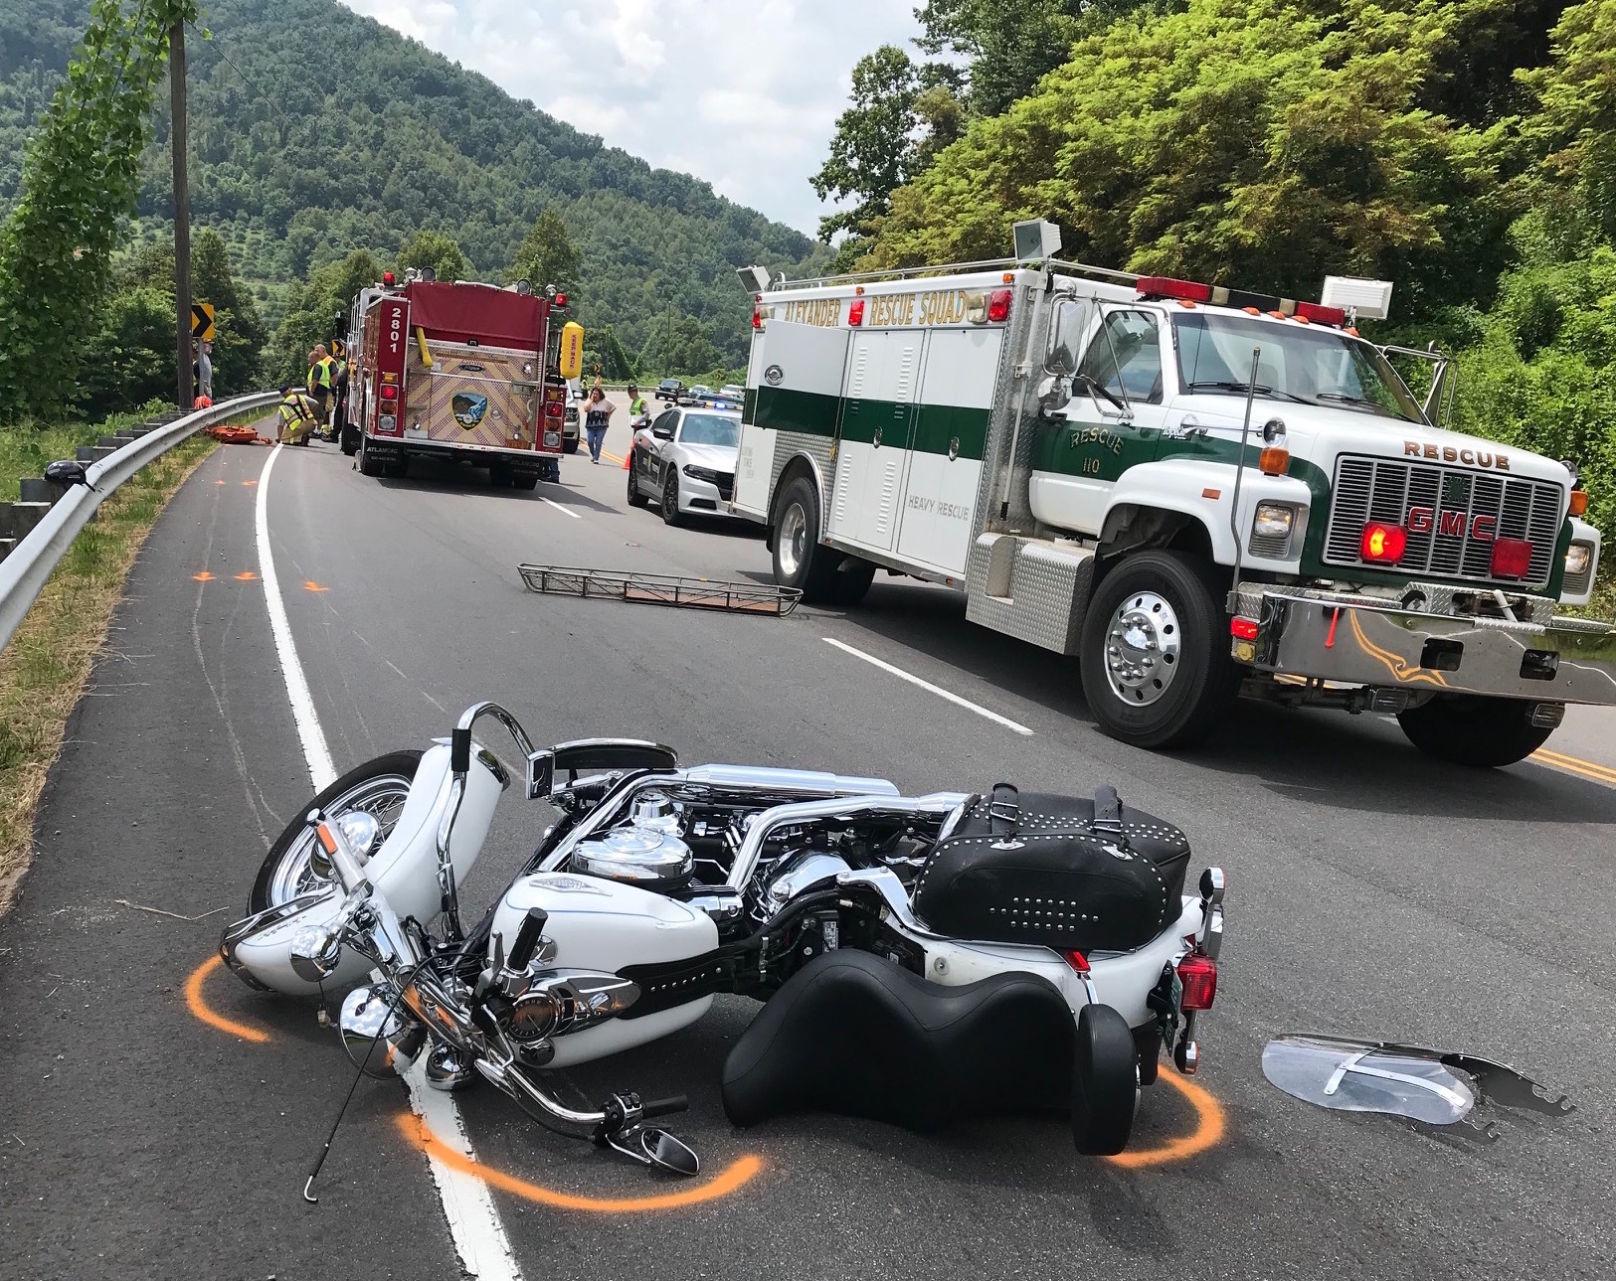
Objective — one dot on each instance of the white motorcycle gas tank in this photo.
(404, 871)
(605, 925)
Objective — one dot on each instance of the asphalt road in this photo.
(1372, 892)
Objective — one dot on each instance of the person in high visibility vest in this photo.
(339, 406)
(322, 379)
(296, 422)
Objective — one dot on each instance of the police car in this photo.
(685, 462)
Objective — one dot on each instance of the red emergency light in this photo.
(1193, 291)
(1168, 287)
(561, 300)
(1512, 558)
(999, 306)
(855, 312)
(389, 279)
(1383, 544)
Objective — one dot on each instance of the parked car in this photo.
(701, 391)
(732, 391)
(669, 389)
(569, 427)
(685, 462)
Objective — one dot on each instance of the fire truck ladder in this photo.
(660, 589)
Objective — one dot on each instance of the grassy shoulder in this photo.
(44, 670)
(24, 450)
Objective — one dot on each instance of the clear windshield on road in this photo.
(1313, 366)
(710, 429)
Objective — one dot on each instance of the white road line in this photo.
(474, 1226)
(564, 511)
(930, 688)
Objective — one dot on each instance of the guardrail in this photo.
(25, 571)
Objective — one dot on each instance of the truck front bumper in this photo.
(1359, 640)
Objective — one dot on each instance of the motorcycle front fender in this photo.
(404, 872)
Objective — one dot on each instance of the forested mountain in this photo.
(315, 132)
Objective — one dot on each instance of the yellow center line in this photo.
(1591, 770)
(611, 457)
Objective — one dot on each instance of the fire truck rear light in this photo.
(1243, 628)
(1383, 544)
(1512, 558)
(1579, 502)
(1168, 287)
(1198, 976)
(389, 392)
(1321, 314)
(1274, 460)
(1076, 960)
(999, 306)
(855, 312)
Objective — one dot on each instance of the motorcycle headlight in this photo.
(1577, 557)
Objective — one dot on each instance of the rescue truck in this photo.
(460, 371)
(1195, 491)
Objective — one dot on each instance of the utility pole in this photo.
(178, 137)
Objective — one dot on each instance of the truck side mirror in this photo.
(1065, 337)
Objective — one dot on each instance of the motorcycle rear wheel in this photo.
(378, 787)
(1105, 1082)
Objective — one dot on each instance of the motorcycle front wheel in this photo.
(378, 787)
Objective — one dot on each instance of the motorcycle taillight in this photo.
(1198, 977)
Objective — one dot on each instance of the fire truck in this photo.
(1195, 491)
(459, 371)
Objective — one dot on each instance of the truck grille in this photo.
(1384, 489)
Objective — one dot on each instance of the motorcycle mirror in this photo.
(669, 1153)
(540, 775)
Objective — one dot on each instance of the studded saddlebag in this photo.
(1054, 870)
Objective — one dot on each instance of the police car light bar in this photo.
(1193, 291)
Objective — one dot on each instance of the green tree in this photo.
(682, 346)
(547, 256)
(1256, 142)
(239, 347)
(312, 311)
(1007, 44)
(871, 151)
(435, 249)
(78, 186)
(131, 348)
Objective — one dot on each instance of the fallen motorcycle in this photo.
(919, 958)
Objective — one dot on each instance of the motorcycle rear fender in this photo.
(1122, 980)
(404, 871)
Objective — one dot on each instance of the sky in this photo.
(741, 93)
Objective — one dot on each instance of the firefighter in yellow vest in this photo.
(297, 420)
(322, 380)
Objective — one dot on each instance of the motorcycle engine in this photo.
(647, 850)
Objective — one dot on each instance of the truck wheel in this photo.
(1469, 729)
(800, 560)
(399, 468)
(500, 476)
(1154, 656)
(1105, 1082)
(350, 441)
(635, 498)
(525, 480)
(368, 465)
(671, 514)
(569, 445)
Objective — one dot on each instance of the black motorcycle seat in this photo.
(856, 1034)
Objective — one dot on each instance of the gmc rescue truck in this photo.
(460, 371)
(1196, 491)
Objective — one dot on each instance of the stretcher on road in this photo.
(661, 589)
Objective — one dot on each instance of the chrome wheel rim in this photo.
(1142, 645)
(382, 796)
(793, 540)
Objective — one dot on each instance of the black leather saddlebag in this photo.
(1058, 871)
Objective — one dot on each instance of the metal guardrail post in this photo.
(24, 573)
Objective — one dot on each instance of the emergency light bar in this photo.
(1371, 299)
(1193, 291)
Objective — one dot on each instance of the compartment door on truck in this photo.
(873, 443)
(479, 396)
(793, 385)
(950, 436)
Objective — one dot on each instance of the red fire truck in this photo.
(461, 372)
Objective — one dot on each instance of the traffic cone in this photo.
(628, 458)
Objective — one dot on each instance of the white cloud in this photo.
(741, 93)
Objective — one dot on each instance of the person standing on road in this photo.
(339, 365)
(322, 379)
(597, 417)
(639, 412)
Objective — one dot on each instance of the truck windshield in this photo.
(1314, 366)
(710, 429)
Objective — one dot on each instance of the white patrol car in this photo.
(1193, 490)
(684, 462)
